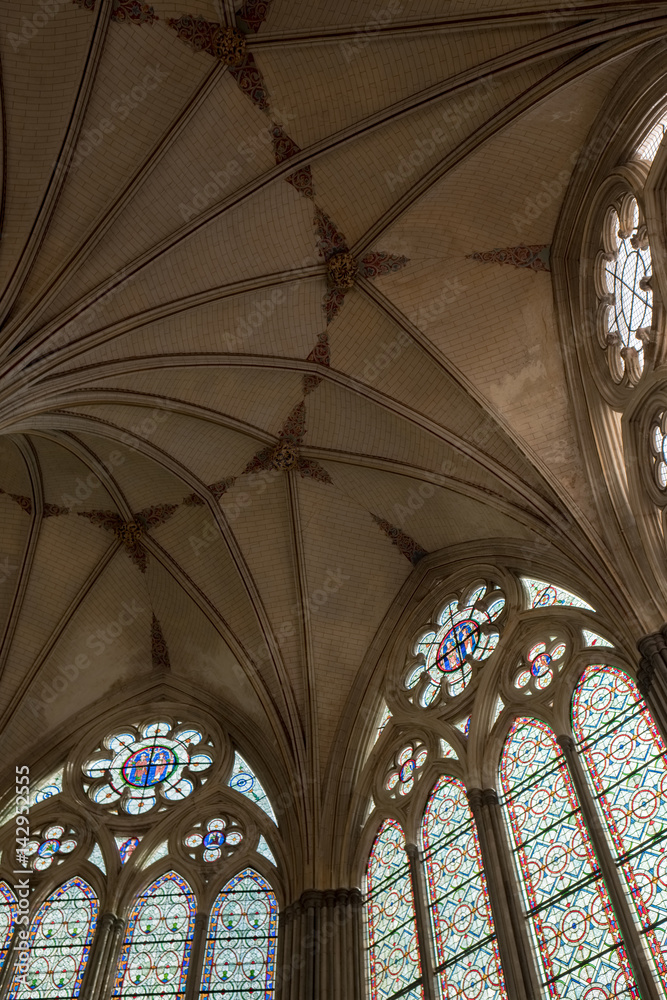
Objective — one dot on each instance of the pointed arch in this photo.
(59, 945)
(8, 914)
(468, 961)
(156, 951)
(626, 760)
(242, 937)
(393, 951)
(568, 909)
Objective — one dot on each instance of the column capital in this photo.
(489, 797)
(653, 649)
(475, 798)
(566, 743)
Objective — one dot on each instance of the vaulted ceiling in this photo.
(206, 446)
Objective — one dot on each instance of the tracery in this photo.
(121, 814)
(579, 939)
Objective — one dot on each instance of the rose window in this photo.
(53, 845)
(659, 450)
(464, 633)
(139, 768)
(403, 773)
(543, 661)
(624, 287)
(208, 843)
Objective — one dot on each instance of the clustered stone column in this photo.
(652, 675)
(321, 947)
(508, 918)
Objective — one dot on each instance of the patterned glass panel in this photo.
(467, 952)
(156, 950)
(8, 915)
(393, 954)
(244, 780)
(567, 905)
(60, 938)
(241, 945)
(626, 759)
(546, 595)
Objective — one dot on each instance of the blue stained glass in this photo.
(244, 780)
(545, 595)
(242, 936)
(567, 905)
(465, 634)
(156, 950)
(60, 937)
(467, 952)
(626, 759)
(393, 953)
(8, 915)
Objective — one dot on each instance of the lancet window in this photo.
(559, 873)
(150, 861)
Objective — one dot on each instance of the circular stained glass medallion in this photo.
(139, 767)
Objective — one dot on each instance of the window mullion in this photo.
(107, 974)
(95, 973)
(7, 971)
(199, 934)
(628, 929)
(424, 933)
(507, 917)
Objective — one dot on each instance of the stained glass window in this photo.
(126, 847)
(593, 639)
(651, 143)
(542, 662)
(546, 595)
(245, 781)
(384, 719)
(156, 950)
(446, 750)
(240, 956)
(393, 954)
(60, 937)
(54, 844)
(567, 905)
(467, 953)
(462, 632)
(658, 438)
(404, 771)
(8, 914)
(159, 852)
(266, 852)
(137, 767)
(626, 760)
(209, 842)
(626, 270)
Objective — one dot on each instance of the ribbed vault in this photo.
(196, 425)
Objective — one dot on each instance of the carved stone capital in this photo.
(653, 649)
(566, 743)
